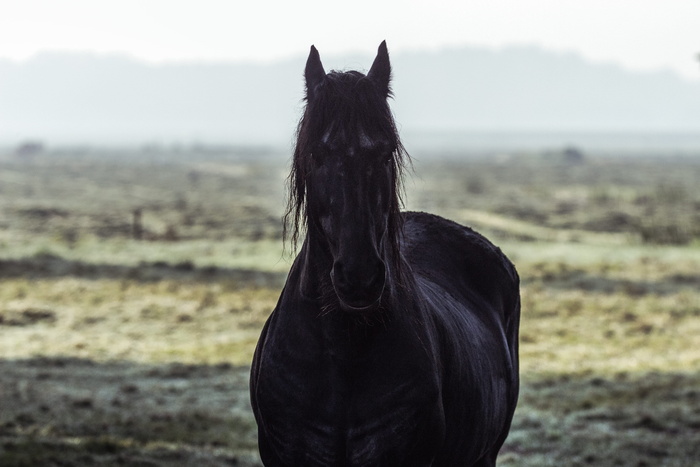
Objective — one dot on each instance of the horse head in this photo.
(346, 174)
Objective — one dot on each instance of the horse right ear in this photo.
(380, 72)
(314, 72)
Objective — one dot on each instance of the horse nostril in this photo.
(379, 274)
(338, 274)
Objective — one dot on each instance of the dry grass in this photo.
(124, 319)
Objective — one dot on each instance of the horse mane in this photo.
(351, 101)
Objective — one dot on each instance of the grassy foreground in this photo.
(123, 351)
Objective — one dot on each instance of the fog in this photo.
(460, 97)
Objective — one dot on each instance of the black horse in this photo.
(395, 339)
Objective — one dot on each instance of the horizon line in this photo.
(348, 53)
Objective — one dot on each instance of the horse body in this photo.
(394, 341)
(470, 290)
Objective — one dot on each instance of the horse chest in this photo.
(369, 407)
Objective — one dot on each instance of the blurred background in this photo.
(143, 156)
(172, 72)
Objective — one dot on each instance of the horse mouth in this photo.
(366, 302)
(357, 308)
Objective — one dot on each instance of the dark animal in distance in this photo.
(395, 339)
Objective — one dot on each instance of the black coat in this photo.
(431, 379)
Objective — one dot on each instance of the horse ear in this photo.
(314, 73)
(380, 72)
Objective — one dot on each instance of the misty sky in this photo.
(638, 34)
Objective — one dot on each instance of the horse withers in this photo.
(395, 339)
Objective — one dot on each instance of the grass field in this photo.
(133, 285)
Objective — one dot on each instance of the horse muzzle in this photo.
(358, 289)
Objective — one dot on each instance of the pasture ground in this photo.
(116, 350)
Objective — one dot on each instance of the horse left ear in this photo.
(313, 73)
(380, 72)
